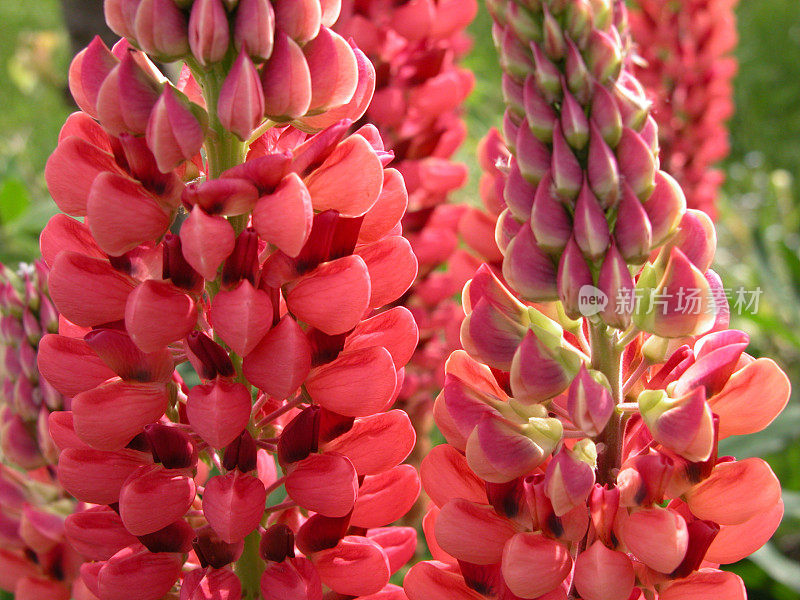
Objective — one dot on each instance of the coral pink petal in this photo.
(333, 297)
(394, 329)
(736, 542)
(358, 383)
(135, 568)
(97, 476)
(158, 314)
(133, 405)
(206, 241)
(392, 269)
(603, 574)
(324, 483)
(281, 360)
(534, 565)
(332, 186)
(70, 365)
(286, 581)
(704, 584)
(399, 544)
(357, 566)
(387, 211)
(219, 411)
(751, 399)
(97, 533)
(431, 580)
(460, 522)
(376, 443)
(88, 291)
(233, 504)
(153, 497)
(384, 498)
(445, 475)
(735, 492)
(241, 317)
(63, 233)
(284, 218)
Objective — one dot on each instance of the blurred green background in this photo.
(759, 224)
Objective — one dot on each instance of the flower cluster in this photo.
(222, 240)
(420, 89)
(581, 438)
(26, 314)
(688, 73)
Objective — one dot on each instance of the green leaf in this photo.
(778, 567)
(14, 200)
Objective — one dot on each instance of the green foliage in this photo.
(14, 200)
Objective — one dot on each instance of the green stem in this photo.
(250, 567)
(223, 151)
(607, 358)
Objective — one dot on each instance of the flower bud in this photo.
(241, 453)
(208, 358)
(570, 477)
(632, 233)
(546, 74)
(604, 58)
(209, 33)
(161, 29)
(533, 156)
(684, 425)
(241, 98)
(665, 207)
(590, 225)
(254, 28)
(175, 129)
(212, 551)
(589, 403)
(566, 170)
(574, 123)
(171, 446)
(636, 163)
(286, 80)
(573, 275)
(539, 114)
(277, 543)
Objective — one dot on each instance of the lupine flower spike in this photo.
(234, 231)
(598, 375)
(687, 68)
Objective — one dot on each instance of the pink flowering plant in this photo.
(582, 417)
(231, 225)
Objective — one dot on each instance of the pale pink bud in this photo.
(528, 269)
(665, 207)
(546, 74)
(540, 116)
(219, 411)
(281, 361)
(234, 504)
(697, 238)
(208, 31)
(459, 521)
(534, 565)
(254, 28)
(134, 95)
(324, 483)
(499, 452)
(603, 574)
(158, 314)
(569, 478)
(604, 56)
(286, 80)
(605, 115)
(656, 536)
(161, 29)
(632, 232)
(333, 69)
(120, 16)
(591, 228)
(300, 19)
(579, 80)
(603, 174)
(574, 123)
(533, 156)
(135, 568)
(368, 456)
(241, 99)
(566, 170)
(171, 491)
(87, 72)
(573, 275)
(636, 163)
(175, 130)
